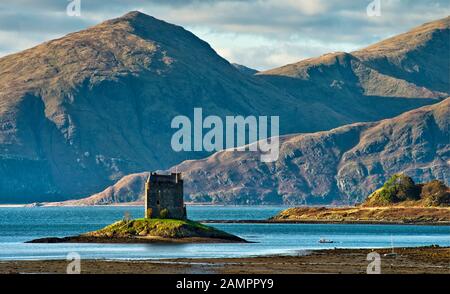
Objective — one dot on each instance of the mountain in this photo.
(411, 65)
(80, 112)
(128, 189)
(342, 165)
(420, 56)
(244, 69)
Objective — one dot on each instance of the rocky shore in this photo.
(429, 260)
(365, 215)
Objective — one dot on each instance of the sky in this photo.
(260, 34)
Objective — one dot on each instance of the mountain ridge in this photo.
(339, 166)
(342, 165)
(80, 112)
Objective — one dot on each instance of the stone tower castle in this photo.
(164, 196)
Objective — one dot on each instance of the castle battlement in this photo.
(159, 178)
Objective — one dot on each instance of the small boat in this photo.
(392, 254)
(325, 241)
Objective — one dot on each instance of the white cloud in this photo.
(256, 33)
(302, 6)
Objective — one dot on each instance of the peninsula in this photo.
(399, 201)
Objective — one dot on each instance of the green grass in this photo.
(166, 228)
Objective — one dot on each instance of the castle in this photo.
(164, 196)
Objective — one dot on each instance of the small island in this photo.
(150, 231)
(165, 220)
(399, 201)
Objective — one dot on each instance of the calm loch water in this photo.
(20, 224)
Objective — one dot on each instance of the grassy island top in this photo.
(150, 231)
(163, 228)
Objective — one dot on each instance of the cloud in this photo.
(258, 33)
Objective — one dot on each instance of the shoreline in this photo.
(134, 204)
(315, 222)
(399, 215)
(412, 260)
(134, 240)
(294, 220)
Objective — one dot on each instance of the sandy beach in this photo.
(430, 260)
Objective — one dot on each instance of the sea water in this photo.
(20, 224)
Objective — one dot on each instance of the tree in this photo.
(126, 216)
(399, 188)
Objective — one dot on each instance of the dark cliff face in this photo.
(343, 165)
(80, 112)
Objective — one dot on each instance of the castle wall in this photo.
(164, 192)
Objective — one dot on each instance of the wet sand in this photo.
(430, 260)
